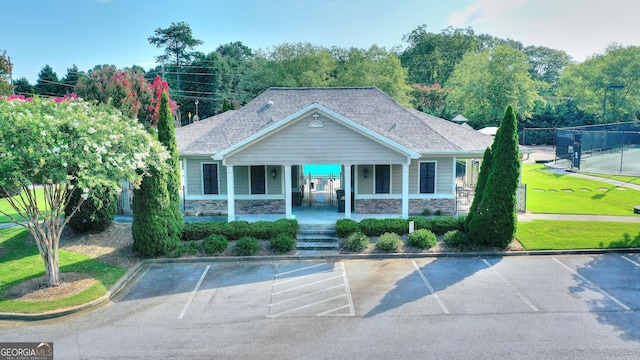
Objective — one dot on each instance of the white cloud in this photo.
(483, 11)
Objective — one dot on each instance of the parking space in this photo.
(223, 292)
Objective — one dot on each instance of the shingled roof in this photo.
(366, 106)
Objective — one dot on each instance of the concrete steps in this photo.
(317, 237)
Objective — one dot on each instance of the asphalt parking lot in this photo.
(538, 307)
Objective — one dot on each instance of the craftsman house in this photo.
(393, 160)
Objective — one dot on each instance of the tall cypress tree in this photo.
(495, 220)
(167, 136)
(157, 219)
(485, 168)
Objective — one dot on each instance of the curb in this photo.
(133, 272)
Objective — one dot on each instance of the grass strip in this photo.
(567, 235)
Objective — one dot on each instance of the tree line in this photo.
(455, 71)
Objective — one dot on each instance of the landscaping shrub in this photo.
(282, 243)
(200, 230)
(420, 222)
(186, 248)
(285, 226)
(346, 227)
(462, 223)
(456, 239)
(9, 191)
(441, 225)
(372, 227)
(235, 229)
(389, 242)
(396, 226)
(246, 246)
(356, 242)
(215, 244)
(261, 230)
(423, 239)
(96, 213)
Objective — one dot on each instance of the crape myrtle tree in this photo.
(493, 222)
(56, 146)
(157, 216)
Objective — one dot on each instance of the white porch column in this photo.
(468, 172)
(347, 191)
(231, 196)
(287, 191)
(405, 191)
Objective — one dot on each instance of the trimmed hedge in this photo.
(457, 239)
(377, 227)
(237, 229)
(346, 227)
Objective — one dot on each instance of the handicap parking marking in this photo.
(592, 285)
(510, 285)
(313, 290)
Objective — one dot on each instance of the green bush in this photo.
(235, 229)
(356, 242)
(9, 191)
(246, 246)
(389, 242)
(372, 227)
(456, 239)
(462, 223)
(423, 239)
(261, 230)
(426, 212)
(420, 222)
(200, 230)
(441, 225)
(346, 227)
(215, 244)
(282, 243)
(96, 213)
(285, 226)
(186, 248)
(396, 226)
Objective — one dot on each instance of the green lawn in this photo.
(6, 208)
(562, 235)
(553, 193)
(20, 261)
(627, 179)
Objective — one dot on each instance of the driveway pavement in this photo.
(572, 307)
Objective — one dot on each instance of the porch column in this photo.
(405, 191)
(287, 191)
(347, 191)
(468, 172)
(231, 196)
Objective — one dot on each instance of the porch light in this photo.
(274, 173)
(366, 172)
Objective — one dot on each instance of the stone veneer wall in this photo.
(446, 206)
(394, 206)
(219, 207)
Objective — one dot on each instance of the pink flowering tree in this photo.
(61, 145)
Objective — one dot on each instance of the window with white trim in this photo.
(427, 177)
(383, 179)
(210, 178)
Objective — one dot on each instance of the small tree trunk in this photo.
(52, 268)
(47, 238)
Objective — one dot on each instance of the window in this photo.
(427, 177)
(383, 179)
(210, 178)
(258, 180)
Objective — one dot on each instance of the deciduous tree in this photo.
(61, 145)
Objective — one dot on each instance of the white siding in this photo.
(330, 144)
(445, 173)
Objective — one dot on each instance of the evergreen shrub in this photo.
(282, 243)
(246, 246)
(389, 242)
(423, 239)
(356, 242)
(215, 244)
(346, 227)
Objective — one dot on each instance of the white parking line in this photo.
(300, 269)
(513, 288)
(308, 306)
(352, 311)
(433, 292)
(594, 286)
(302, 277)
(305, 295)
(631, 261)
(303, 285)
(193, 293)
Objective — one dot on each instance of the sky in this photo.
(86, 33)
